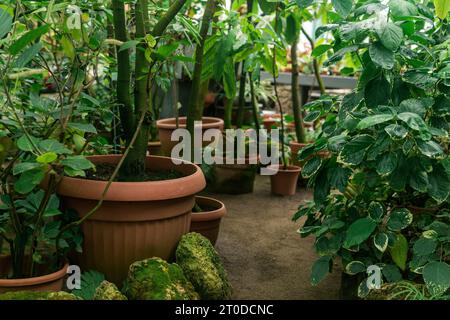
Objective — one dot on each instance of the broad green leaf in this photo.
(391, 273)
(229, 79)
(399, 251)
(424, 246)
(377, 92)
(439, 183)
(414, 106)
(303, 4)
(359, 231)
(391, 36)
(292, 28)
(413, 121)
(29, 180)
(320, 269)
(90, 99)
(343, 7)
(419, 180)
(47, 157)
(51, 145)
(376, 211)
(25, 166)
(68, 47)
(430, 149)
(374, 120)
(387, 163)
(27, 144)
(441, 7)
(320, 49)
(311, 167)
(355, 267)
(339, 177)
(437, 277)
(129, 44)
(166, 50)
(402, 8)
(381, 241)
(27, 38)
(5, 22)
(399, 219)
(354, 151)
(312, 116)
(84, 127)
(27, 55)
(381, 56)
(77, 163)
(420, 78)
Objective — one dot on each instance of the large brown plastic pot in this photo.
(207, 223)
(137, 220)
(167, 126)
(284, 182)
(154, 148)
(48, 283)
(235, 178)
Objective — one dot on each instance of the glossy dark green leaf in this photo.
(382, 56)
(377, 92)
(399, 219)
(437, 277)
(391, 36)
(399, 251)
(359, 231)
(320, 269)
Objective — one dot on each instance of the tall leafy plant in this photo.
(382, 198)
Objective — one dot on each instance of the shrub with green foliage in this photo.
(155, 279)
(36, 295)
(202, 266)
(382, 197)
(108, 291)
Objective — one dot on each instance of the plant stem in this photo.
(241, 99)
(228, 109)
(274, 73)
(315, 64)
(255, 109)
(296, 104)
(123, 71)
(195, 110)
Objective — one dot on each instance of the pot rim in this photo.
(135, 191)
(207, 123)
(23, 282)
(209, 215)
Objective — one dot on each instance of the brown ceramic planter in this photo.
(137, 220)
(154, 148)
(167, 126)
(284, 182)
(207, 223)
(51, 282)
(235, 178)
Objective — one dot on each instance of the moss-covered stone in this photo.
(155, 279)
(202, 267)
(108, 291)
(34, 295)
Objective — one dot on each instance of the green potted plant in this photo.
(197, 92)
(381, 198)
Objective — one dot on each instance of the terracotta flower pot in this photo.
(167, 126)
(207, 222)
(154, 148)
(284, 182)
(235, 178)
(269, 123)
(137, 220)
(50, 282)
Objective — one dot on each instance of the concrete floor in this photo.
(264, 256)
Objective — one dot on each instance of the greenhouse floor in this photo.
(262, 252)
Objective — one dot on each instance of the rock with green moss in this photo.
(36, 295)
(108, 291)
(202, 267)
(155, 279)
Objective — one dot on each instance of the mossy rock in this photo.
(155, 279)
(108, 291)
(36, 295)
(202, 267)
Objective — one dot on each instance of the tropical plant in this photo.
(382, 198)
(49, 63)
